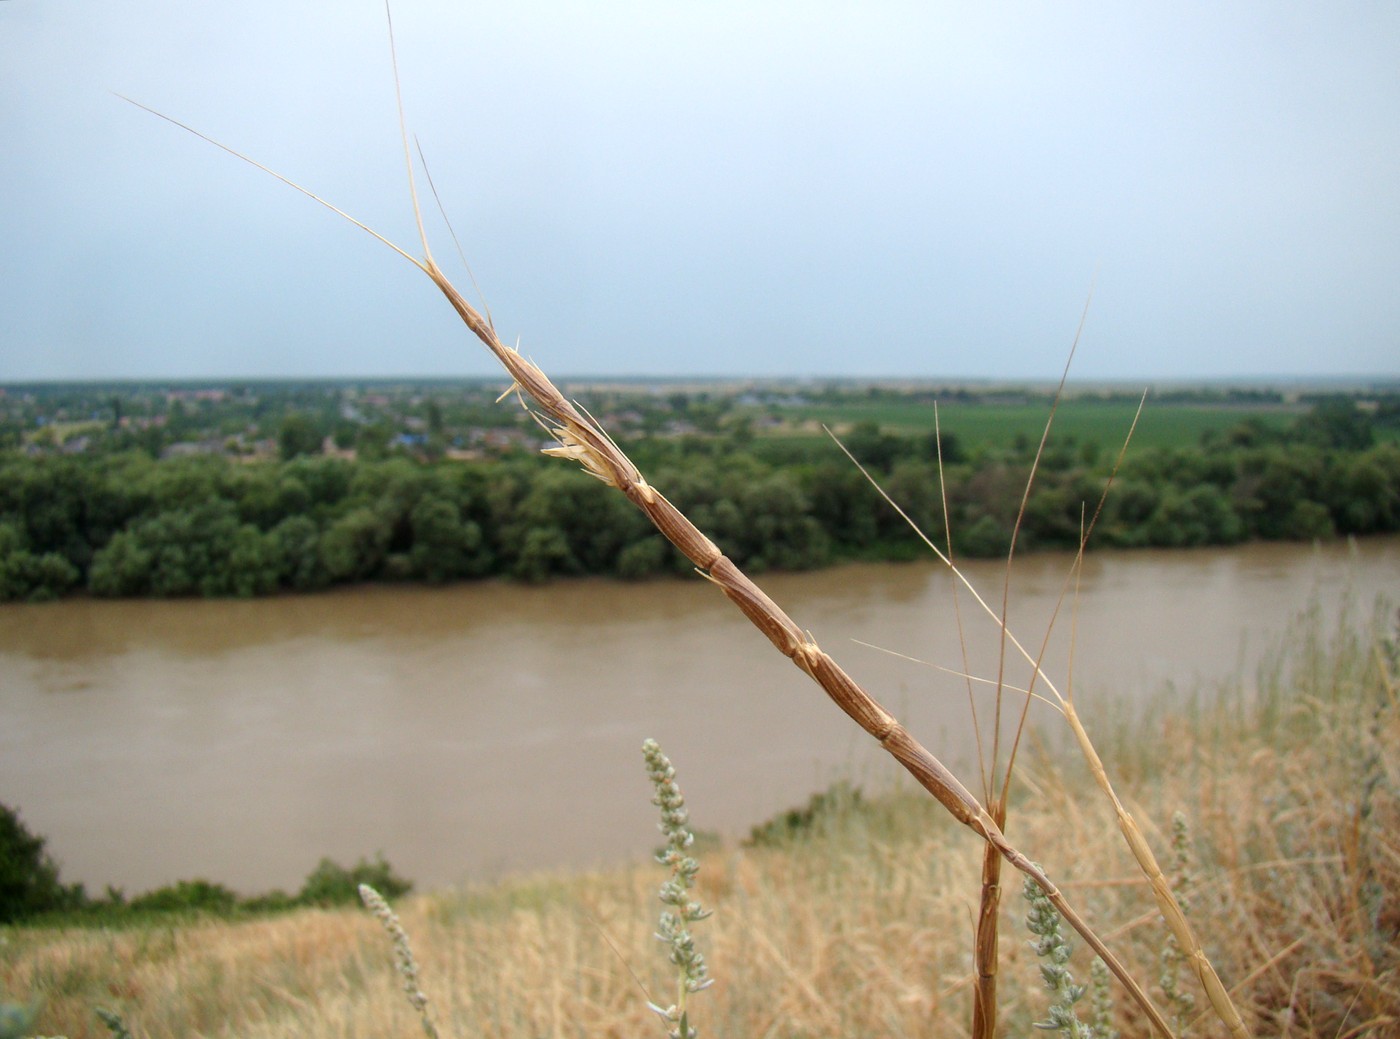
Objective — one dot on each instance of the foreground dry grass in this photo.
(861, 925)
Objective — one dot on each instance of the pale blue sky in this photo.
(670, 188)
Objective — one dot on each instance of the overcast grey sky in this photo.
(670, 188)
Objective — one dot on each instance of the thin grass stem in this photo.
(582, 440)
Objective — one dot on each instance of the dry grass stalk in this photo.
(987, 945)
(1167, 903)
(1169, 908)
(581, 439)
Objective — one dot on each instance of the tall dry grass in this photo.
(580, 439)
(816, 1009)
(861, 924)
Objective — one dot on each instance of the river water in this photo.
(484, 728)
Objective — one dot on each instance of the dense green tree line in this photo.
(127, 525)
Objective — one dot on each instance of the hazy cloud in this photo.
(735, 188)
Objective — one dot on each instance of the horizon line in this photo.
(1366, 380)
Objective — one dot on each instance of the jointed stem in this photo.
(984, 998)
(581, 439)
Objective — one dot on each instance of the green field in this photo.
(996, 424)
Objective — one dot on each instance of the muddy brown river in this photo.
(484, 728)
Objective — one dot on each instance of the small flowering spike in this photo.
(1101, 999)
(691, 971)
(1171, 958)
(404, 962)
(1044, 921)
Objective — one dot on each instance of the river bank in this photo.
(857, 922)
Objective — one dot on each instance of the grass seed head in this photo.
(572, 445)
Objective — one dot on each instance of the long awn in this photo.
(583, 440)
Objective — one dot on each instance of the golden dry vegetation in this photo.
(861, 923)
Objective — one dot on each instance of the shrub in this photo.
(192, 896)
(29, 882)
(821, 809)
(332, 884)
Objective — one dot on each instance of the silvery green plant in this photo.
(15, 1020)
(1101, 1000)
(404, 962)
(1044, 921)
(1182, 1003)
(115, 1025)
(674, 928)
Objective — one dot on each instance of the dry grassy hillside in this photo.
(860, 921)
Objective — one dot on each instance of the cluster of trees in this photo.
(30, 886)
(1326, 476)
(126, 525)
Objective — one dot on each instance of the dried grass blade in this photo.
(601, 456)
(780, 629)
(1167, 904)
